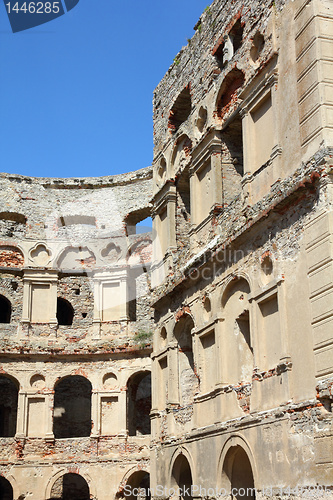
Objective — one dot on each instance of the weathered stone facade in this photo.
(240, 283)
(75, 336)
(242, 269)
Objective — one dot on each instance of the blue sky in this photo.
(76, 93)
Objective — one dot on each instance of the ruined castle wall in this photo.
(71, 348)
(240, 280)
(253, 278)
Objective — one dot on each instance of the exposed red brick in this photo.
(231, 85)
(182, 312)
(11, 257)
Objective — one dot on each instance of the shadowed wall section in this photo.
(8, 406)
(6, 490)
(139, 403)
(72, 408)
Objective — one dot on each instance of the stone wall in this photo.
(240, 405)
(75, 332)
(239, 340)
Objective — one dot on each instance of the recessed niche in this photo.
(161, 169)
(231, 42)
(180, 110)
(207, 308)
(37, 381)
(202, 119)
(163, 336)
(257, 46)
(207, 305)
(110, 381)
(267, 266)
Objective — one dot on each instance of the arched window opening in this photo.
(65, 312)
(144, 226)
(5, 310)
(237, 474)
(139, 404)
(6, 490)
(182, 477)
(139, 221)
(183, 213)
(132, 298)
(138, 482)
(162, 392)
(8, 406)
(226, 48)
(227, 99)
(70, 487)
(180, 110)
(183, 188)
(237, 35)
(188, 380)
(233, 156)
(72, 408)
(237, 325)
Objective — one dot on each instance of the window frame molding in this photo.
(253, 99)
(37, 277)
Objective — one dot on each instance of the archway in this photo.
(237, 474)
(237, 326)
(139, 403)
(182, 478)
(181, 109)
(72, 407)
(187, 379)
(8, 406)
(70, 487)
(138, 486)
(6, 490)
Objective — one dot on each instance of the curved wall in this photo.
(75, 272)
